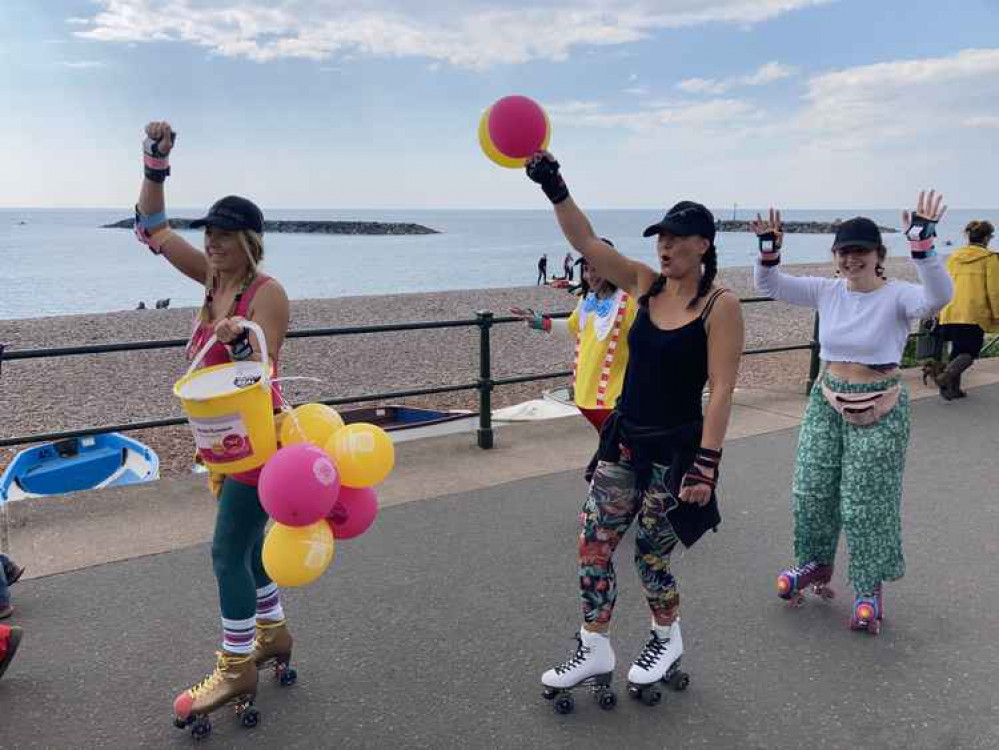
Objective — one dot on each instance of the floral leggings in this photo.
(850, 477)
(611, 506)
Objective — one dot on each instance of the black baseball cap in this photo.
(857, 232)
(685, 219)
(232, 213)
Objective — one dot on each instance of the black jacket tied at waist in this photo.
(673, 447)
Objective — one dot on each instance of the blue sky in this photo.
(325, 103)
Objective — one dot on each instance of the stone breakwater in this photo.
(309, 227)
(792, 227)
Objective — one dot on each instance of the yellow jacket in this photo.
(975, 271)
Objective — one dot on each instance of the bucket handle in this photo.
(261, 339)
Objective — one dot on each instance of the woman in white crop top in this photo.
(853, 440)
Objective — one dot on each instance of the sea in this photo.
(61, 262)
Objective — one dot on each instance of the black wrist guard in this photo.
(921, 233)
(704, 470)
(240, 348)
(770, 244)
(546, 173)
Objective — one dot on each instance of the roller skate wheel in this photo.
(201, 729)
(181, 723)
(287, 677)
(564, 704)
(783, 586)
(680, 681)
(549, 693)
(796, 600)
(650, 695)
(250, 718)
(607, 699)
(865, 612)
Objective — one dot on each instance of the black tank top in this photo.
(667, 369)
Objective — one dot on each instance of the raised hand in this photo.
(921, 225)
(161, 136)
(543, 169)
(929, 206)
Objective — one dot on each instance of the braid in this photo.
(710, 261)
(657, 286)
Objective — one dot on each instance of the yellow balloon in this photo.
(489, 148)
(363, 453)
(310, 423)
(298, 555)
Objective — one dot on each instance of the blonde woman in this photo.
(253, 625)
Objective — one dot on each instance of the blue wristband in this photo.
(147, 221)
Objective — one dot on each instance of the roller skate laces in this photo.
(233, 681)
(659, 662)
(589, 667)
(792, 583)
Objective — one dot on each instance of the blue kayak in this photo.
(86, 463)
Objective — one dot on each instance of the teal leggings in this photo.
(236, 549)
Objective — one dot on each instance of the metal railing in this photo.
(484, 320)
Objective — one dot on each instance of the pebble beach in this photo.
(74, 392)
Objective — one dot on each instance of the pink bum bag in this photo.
(863, 409)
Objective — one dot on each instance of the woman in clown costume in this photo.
(599, 327)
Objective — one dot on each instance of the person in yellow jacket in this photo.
(599, 325)
(974, 308)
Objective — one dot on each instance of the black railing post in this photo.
(485, 433)
(814, 364)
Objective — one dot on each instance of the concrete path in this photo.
(431, 631)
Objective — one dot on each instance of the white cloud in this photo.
(701, 115)
(982, 121)
(767, 73)
(82, 64)
(900, 100)
(469, 34)
(637, 90)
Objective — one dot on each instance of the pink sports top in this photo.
(219, 354)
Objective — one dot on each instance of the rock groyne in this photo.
(791, 227)
(309, 227)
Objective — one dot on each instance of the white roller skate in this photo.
(592, 665)
(658, 662)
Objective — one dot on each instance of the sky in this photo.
(334, 104)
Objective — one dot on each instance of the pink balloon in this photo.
(354, 512)
(299, 485)
(517, 126)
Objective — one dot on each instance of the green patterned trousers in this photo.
(850, 477)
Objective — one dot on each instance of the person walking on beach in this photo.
(542, 269)
(599, 326)
(975, 307)
(659, 451)
(568, 266)
(853, 440)
(254, 631)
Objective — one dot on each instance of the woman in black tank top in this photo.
(659, 451)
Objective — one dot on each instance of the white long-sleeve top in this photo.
(870, 328)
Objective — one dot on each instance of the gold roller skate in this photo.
(272, 647)
(234, 681)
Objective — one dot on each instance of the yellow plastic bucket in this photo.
(230, 410)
